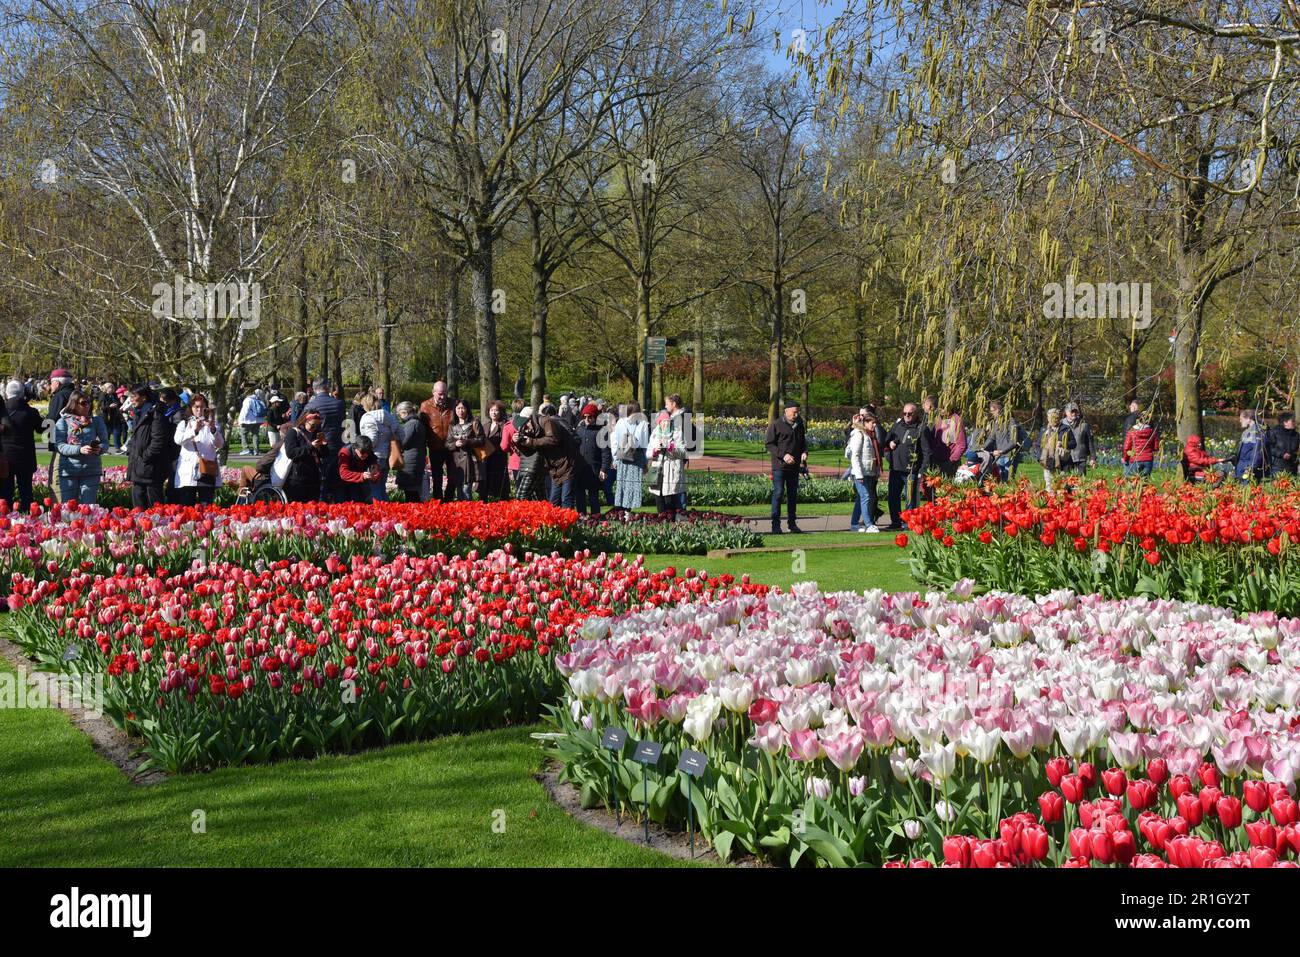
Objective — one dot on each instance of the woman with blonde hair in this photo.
(1055, 447)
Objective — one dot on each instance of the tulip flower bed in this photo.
(851, 729)
(695, 533)
(225, 664)
(72, 538)
(1231, 546)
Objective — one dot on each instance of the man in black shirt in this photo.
(908, 457)
(787, 442)
(1282, 444)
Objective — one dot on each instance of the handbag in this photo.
(481, 452)
(208, 468)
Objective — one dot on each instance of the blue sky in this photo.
(789, 15)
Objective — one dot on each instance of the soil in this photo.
(109, 741)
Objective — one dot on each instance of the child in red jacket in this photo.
(1140, 445)
(1197, 461)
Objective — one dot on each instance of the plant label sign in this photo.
(614, 739)
(647, 752)
(692, 762)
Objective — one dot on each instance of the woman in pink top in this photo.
(508, 434)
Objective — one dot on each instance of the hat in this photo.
(526, 412)
(60, 374)
(590, 409)
(790, 404)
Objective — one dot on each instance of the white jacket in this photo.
(671, 464)
(246, 416)
(859, 451)
(194, 443)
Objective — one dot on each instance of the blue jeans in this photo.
(864, 505)
(1142, 469)
(562, 493)
(785, 481)
(79, 488)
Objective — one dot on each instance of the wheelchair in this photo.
(262, 491)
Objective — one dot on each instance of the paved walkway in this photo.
(738, 466)
(811, 523)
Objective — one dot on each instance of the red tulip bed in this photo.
(1233, 547)
(225, 663)
(943, 730)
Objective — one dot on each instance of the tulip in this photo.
(1051, 806)
(1179, 785)
(1189, 808)
(1114, 780)
(1157, 771)
(1055, 769)
(1072, 788)
(1284, 811)
(1228, 810)
(1035, 843)
(1257, 796)
(1080, 844)
(819, 788)
(1087, 774)
(1261, 834)
(957, 851)
(1141, 794)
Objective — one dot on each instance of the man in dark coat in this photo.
(787, 443)
(907, 456)
(1282, 445)
(19, 426)
(150, 454)
(547, 436)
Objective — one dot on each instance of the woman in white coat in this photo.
(667, 457)
(198, 467)
(383, 430)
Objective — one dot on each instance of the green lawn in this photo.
(419, 804)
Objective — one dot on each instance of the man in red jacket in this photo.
(358, 468)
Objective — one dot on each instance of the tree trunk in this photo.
(302, 384)
(1131, 355)
(697, 368)
(485, 320)
(948, 381)
(338, 362)
(450, 312)
(642, 334)
(541, 310)
(325, 347)
(384, 366)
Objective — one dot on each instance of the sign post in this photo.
(612, 741)
(647, 752)
(692, 764)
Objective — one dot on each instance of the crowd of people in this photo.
(579, 452)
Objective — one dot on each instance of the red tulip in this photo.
(957, 851)
(1141, 794)
(1056, 769)
(1125, 846)
(1179, 785)
(1189, 807)
(1080, 846)
(1257, 796)
(1114, 780)
(1072, 788)
(1051, 806)
(1157, 771)
(1087, 774)
(1035, 843)
(1284, 811)
(1229, 812)
(1208, 774)
(1209, 798)
(1102, 846)
(1262, 857)
(1261, 834)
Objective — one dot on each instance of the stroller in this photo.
(979, 467)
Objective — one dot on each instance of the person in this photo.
(666, 455)
(415, 453)
(594, 460)
(1005, 438)
(947, 442)
(463, 438)
(252, 417)
(508, 433)
(493, 481)
(1282, 445)
(907, 460)
(1054, 447)
(608, 419)
(22, 424)
(1130, 420)
(60, 388)
(277, 414)
(1198, 463)
(1140, 446)
(81, 438)
(149, 453)
(332, 413)
(1248, 459)
(174, 412)
(197, 473)
(863, 453)
(435, 414)
(305, 448)
(380, 397)
(1084, 455)
(546, 436)
(569, 412)
(628, 451)
(358, 471)
(358, 410)
(380, 426)
(787, 443)
(296, 406)
(530, 481)
(110, 410)
(129, 409)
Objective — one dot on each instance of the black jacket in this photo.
(1281, 442)
(592, 451)
(912, 451)
(152, 452)
(57, 401)
(304, 461)
(19, 438)
(784, 438)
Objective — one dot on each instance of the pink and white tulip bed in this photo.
(943, 729)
